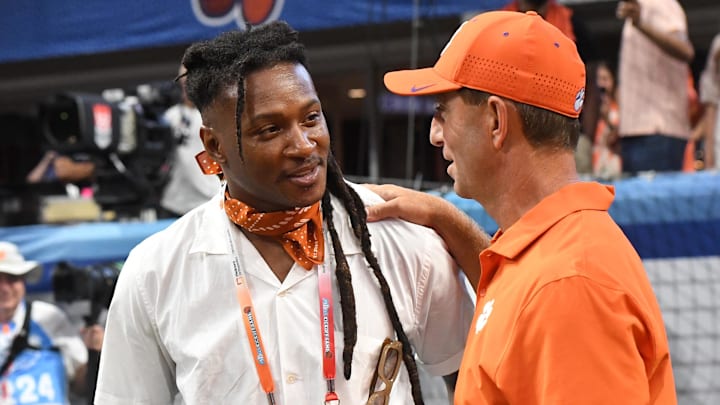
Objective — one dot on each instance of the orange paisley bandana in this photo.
(299, 229)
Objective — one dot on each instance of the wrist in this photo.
(440, 213)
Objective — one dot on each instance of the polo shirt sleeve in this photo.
(134, 367)
(443, 309)
(577, 342)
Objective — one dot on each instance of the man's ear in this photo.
(499, 110)
(212, 144)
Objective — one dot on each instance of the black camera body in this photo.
(95, 283)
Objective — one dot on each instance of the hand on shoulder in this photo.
(411, 205)
(463, 237)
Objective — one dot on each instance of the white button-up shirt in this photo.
(175, 329)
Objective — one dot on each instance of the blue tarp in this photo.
(49, 28)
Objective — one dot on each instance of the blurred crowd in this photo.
(648, 113)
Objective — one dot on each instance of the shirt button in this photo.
(282, 293)
(482, 292)
(291, 378)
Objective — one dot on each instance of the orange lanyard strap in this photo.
(327, 331)
(253, 334)
(252, 329)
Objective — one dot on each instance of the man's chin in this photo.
(308, 200)
(310, 195)
(460, 191)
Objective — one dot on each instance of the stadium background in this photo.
(48, 47)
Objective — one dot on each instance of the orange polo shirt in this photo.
(565, 313)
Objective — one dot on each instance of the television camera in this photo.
(124, 137)
(94, 283)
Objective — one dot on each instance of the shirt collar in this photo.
(210, 228)
(553, 208)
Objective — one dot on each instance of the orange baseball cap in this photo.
(519, 56)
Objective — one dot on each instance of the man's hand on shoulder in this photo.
(463, 237)
(411, 205)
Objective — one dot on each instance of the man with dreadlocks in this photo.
(260, 294)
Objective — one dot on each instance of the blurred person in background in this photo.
(187, 187)
(565, 311)
(653, 85)
(561, 17)
(708, 129)
(57, 167)
(606, 152)
(42, 355)
(574, 28)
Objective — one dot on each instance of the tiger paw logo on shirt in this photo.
(484, 316)
(221, 12)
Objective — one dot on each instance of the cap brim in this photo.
(30, 270)
(418, 82)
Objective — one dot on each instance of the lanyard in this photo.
(327, 331)
(252, 328)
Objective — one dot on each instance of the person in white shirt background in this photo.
(187, 187)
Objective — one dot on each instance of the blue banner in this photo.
(49, 28)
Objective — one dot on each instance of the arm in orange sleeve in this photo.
(577, 342)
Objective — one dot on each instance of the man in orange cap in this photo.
(565, 313)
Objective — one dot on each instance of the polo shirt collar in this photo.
(553, 208)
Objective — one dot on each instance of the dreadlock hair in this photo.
(214, 65)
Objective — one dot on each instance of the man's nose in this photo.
(436, 133)
(301, 142)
